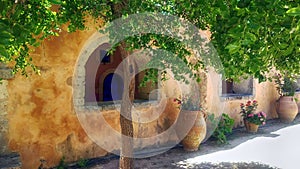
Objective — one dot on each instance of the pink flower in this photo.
(264, 114)
(250, 115)
(263, 123)
(254, 101)
(249, 102)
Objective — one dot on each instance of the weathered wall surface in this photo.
(5, 75)
(42, 123)
(150, 120)
(3, 118)
(265, 93)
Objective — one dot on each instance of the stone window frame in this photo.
(5, 76)
(80, 74)
(240, 95)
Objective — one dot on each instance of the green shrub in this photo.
(82, 163)
(222, 128)
(62, 164)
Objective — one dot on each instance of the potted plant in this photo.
(251, 119)
(190, 111)
(286, 105)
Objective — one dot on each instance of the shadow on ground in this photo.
(175, 157)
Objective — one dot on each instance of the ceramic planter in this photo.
(286, 108)
(197, 133)
(251, 127)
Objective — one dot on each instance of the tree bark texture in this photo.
(126, 162)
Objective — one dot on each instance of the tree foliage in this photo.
(24, 24)
(250, 36)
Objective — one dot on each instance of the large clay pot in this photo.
(251, 127)
(197, 133)
(287, 108)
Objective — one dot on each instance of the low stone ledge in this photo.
(113, 105)
(229, 97)
(6, 73)
(10, 161)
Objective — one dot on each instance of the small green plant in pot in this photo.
(286, 105)
(286, 86)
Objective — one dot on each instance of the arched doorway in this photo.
(112, 87)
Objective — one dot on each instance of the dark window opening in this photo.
(242, 88)
(227, 87)
(104, 57)
(112, 87)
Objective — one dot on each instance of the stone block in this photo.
(3, 143)
(3, 135)
(3, 108)
(3, 90)
(3, 124)
(6, 73)
(78, 102)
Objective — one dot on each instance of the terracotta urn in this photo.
(197, 133)
(286, 108)
(251, 127)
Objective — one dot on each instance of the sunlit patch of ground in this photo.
(281, 151)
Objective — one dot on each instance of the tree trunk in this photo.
(126, 162)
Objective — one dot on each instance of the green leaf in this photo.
(294, 11)
(5, 34)
(56, 2)
(250, 36)
(283, 45)
(232, 48)
(288, 51)
(3, 52)
(4, 41)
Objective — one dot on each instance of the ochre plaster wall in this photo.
(42, 121)
(265, 93)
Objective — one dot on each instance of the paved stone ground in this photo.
(10, 161)
(177, 157)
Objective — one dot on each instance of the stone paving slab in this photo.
(10, 161)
